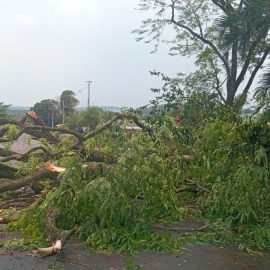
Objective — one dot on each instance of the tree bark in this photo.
(24, 156)
(48, 171)
(103, 127)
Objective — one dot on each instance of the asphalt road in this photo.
(198, 257)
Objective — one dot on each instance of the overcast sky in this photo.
(47, 46)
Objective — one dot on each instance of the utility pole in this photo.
(52, 117)
(89, 84)
(63, 104)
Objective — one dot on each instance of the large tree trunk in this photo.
(49, 171)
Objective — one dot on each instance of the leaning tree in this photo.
(229, 39)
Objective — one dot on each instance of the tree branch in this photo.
(6, 220)
(25, 155)
(48, 171)
(198, 36)
(255, 71)
(29, 129)
(248, 59)
(241, 5)
(60, 130)
(219, 85)
(223, 5)
(36, 119)
(103, 127)
(197, 19)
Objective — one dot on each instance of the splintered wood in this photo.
(50, 167)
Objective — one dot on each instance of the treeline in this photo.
(62, 112)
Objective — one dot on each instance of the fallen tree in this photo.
(18, 157)
(97, 174)
(40, 130)
(47, 171)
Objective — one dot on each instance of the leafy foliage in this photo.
(49, 111)
(68, 102)
(227, 38)
(115, 207)
(89, 118)
(234, 165)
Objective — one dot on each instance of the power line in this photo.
(81, 90)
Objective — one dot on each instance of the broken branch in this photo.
(48, 171)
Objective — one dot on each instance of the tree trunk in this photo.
(230, 98)
(7, 184)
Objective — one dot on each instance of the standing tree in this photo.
(49, 111)
(68, 102)
(230, 39)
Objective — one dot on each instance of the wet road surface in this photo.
(198, 257)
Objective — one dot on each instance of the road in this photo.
(198, 257)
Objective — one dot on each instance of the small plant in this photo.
(131, 266)
(55, 265)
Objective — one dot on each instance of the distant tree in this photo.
(49, 111)
(18, 113)
(68, 102)
(3, 109)
(89, 118)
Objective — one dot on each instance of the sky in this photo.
(47, 46)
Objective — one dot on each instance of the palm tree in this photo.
(235, 33)
(245, 32)
(262, 93)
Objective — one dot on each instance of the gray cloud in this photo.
(47, 46)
